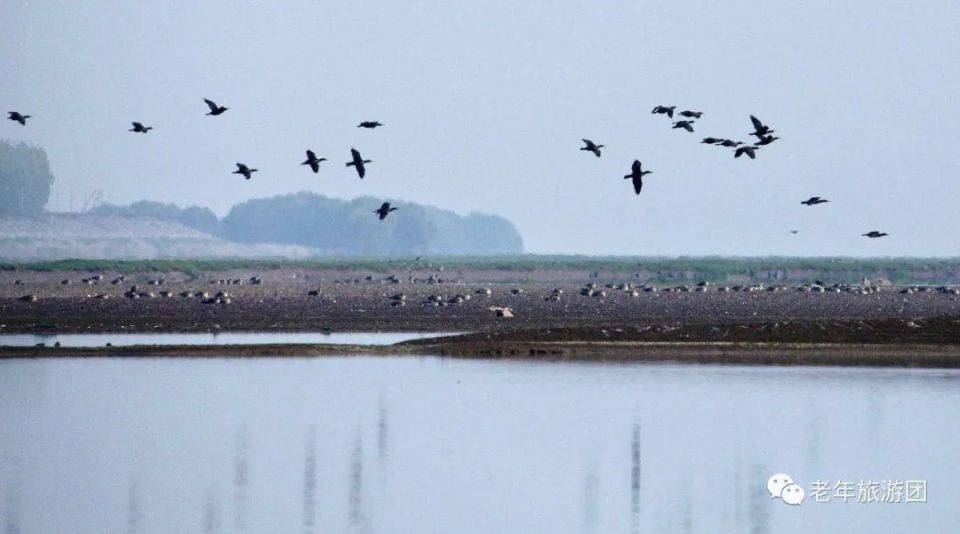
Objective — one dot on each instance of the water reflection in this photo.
(212, 338)
(287, 446)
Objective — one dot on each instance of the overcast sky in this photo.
(485, 104)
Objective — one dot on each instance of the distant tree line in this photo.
(25, 179)
(341, 227)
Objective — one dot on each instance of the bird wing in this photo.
(210, 104)
(756, 123)
(637, 184)
(137, 125)
(311, 155)
(315, 167)
(355, 153)
(361, 170)
(636, 167)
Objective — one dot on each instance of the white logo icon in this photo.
(781, 486)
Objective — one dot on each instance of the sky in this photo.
(485, 104)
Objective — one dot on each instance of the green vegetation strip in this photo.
(898, 270)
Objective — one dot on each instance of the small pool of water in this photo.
(207, 338)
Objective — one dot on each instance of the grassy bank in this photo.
(656, 269)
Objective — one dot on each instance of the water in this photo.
(209, 338)
(410, 444)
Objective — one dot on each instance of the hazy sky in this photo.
(485, 104)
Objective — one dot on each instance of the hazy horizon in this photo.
(485, 107)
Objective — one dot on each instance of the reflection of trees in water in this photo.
(211, 512)
(13, 484)
(759, 501)
(356, 514)
(310, 482)
(635, 479)
(591, 498)
(134, 513)
(240, 480)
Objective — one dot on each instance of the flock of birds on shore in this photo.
(762, 132)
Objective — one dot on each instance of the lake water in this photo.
(422, 444)
(209, 338)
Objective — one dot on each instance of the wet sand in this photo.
(751, 326)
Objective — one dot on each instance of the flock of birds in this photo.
(356, 159)
(762, 132)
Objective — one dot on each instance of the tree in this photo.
(25, 179)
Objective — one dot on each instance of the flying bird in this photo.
(874, 234)
(794, 231)
(384, 210)
(19, 117)
(691, 114)
(592, 147)
(358, 162)
(369, 124)
(711, 140)
(636, 174)
(766, 140)
(730, 144)
(664, 110)
(759, 129)
(140, 128)
(686, 125)
(813, 201)
(244, 170)
(748, 150)
(214, 108)
(313, 161)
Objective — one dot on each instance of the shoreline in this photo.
(938, 356)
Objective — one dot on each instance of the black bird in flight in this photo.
(730, 144)
(369, 124)
(874, 234)
(636, 174)
(592, 147)
(384, 210)
(766, 140)
(711, 140)
(214, 108)
(686, 125)
(358, 162)
(244, 170)
(759, 129)
(19, 117)
(664, 110)
(794, 231)
(691, 114)
(140, 128)
(313, 161)
(748, 150)
(813, 201)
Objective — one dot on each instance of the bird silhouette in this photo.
(748, 150)
(244, 170)
(691, 114)
(384, 210)
(214, 108)
(686, 125)
(873, 234)
(813, 201)
(369, 124)
(313, 161)
(711, 140)
(730, 144)
(19, 117)
(794, 231)
(358, 162)
(664, 110)
(140, 128)
(592, 147)
(636, 174)
(766, 140)
(759, 129)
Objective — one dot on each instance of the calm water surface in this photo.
(408, 444)
(208, 338)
